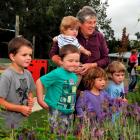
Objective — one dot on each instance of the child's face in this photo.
(23, 57)
(100, 83)
(118, 77)
(71, 31)
(71, 62)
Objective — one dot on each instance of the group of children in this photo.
(59, 86)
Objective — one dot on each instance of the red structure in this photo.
(38, 68)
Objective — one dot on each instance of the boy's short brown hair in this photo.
(67, 49)
(69, 22)
(115, 66)
(16, 43)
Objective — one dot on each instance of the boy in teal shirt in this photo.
(60, 88)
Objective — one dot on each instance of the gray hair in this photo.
(85, 12)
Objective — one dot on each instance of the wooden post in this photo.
(17, 26)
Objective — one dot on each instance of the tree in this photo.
(124, 44)
(137, 34)
(137, 42)
(8, 11)
(41, 18)
(103, 21)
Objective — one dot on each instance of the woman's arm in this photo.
(54, 54)
(104, 58)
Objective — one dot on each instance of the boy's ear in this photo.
(11, 56)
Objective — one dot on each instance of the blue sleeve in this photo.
(112, 92)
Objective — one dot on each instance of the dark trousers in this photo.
(133, 82)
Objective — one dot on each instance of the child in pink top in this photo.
(133, 57)
(133, 61)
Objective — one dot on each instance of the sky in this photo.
(124, 13)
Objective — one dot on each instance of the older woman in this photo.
(90, 39)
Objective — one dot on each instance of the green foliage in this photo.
(41, 18)
(113, 45)
(133, 97)
(137, 34)
(134, 44)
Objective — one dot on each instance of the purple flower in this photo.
(96, 132)
(12, 126)
(20, 137)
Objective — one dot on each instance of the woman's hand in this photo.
(57, 60)
(85, 67)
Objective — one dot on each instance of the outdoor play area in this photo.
(87, 96)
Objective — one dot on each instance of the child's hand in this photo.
(55, 39)
(119, 99)
(88, 53)
(26, 110)
(45, 106)
(122, 99)
(125, 100)
(30, 102)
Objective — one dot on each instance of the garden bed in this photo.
(126, 127)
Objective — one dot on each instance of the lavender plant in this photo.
(125, 127)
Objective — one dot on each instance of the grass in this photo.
(4, 60)
(37, 118)
(133, 97)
